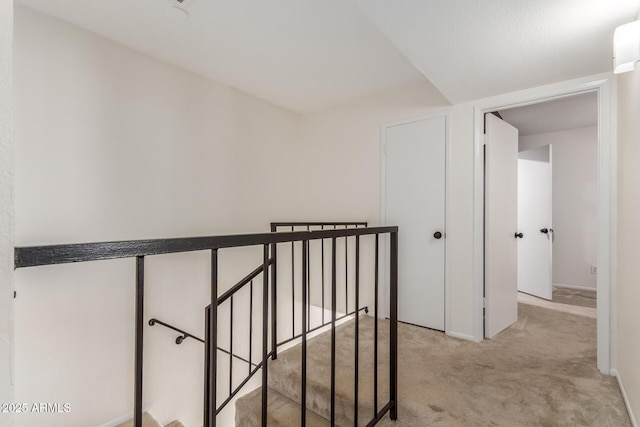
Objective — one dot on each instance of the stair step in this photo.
(282, 412)
(285, 372)
(149, 421)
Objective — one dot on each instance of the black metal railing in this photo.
(305, 264)
(331, 232)
(228, 298)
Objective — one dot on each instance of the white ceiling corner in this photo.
(304, 56)
(471, 49)
(307, 56)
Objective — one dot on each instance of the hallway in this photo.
(539, 372)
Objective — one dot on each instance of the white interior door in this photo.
(415, 202)
(534, 221)
(501, 220)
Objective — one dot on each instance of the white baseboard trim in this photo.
(459, 335)
(580, 288)
(632, 417)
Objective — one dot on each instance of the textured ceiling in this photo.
(571, 112)
(301, 55)
(307, 56)
(471, 49)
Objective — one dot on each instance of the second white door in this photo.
(415, 201)
(534, 221)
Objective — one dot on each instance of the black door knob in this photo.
(519, 235)
(437, 235)
(544, 231)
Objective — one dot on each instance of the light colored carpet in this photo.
(539, 372)
(577, 297)
(283, 412)
(565, 308)
(149, 421)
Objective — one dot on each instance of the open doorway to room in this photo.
(557, 198)
(541, 203)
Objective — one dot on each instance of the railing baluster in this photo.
(303, 393)
(293, 290)
(308, 282)
(265, 331)
(346, 272)
(333, 331)
(207, 365)
(322, 262)
(213, 339)
(357, 335)
(375, 328)
(139, 340)
(231, 346)
(251, 322)
(393, 325)
(274, 301)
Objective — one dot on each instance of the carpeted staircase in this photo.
(285, 380)
(149, 421)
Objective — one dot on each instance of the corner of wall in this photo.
(627, 268)
(6, 207)
(627, 404)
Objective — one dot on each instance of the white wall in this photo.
(628, 273)
(116, 145)
(342, 145)
(575, 198)
(6, 207)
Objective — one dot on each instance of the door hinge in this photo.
(484, 303)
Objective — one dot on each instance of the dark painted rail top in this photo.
(32, 256)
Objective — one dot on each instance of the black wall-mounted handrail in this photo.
(228, 294)
(183, 334)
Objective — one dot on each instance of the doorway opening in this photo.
(557, 197)
(593, 95)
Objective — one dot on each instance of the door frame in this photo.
(383, 201)
(606, 236)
